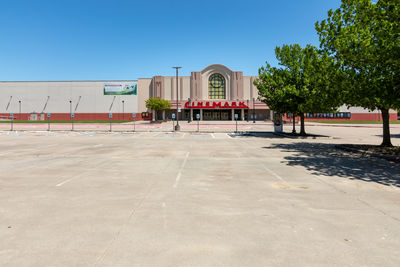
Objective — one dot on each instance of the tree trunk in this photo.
(154, 115)
(386, 129)
(302, 128)
(294, 124)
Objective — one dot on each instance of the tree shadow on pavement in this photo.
(391, 135)
(271, 135)
(325, 159)
(251, 134)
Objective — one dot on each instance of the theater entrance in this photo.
(217, 115)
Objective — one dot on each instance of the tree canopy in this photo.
(364, 38)
(157, 104)
(303, 84)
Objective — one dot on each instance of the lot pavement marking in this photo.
(212, 135)
(68, 180)
(178, 177)
(51, 145)
(243, 147)
(275, 174)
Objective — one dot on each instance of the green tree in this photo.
(157, 104)
(364, 37)
(304, 83)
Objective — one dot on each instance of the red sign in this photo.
(208, 104)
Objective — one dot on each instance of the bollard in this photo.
(12, 121)
(48, 121)
(173, 124)
(198, 122)
(110, 116)
(72, 121)
(236, 119)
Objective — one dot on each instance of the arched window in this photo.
(216, 86)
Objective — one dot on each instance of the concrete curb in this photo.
(310, 136)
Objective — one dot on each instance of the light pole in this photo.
(70, 115)
(70, 108)
(123, 109)
(19, 109)
(177, 127)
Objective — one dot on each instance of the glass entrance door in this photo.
(207, 115)
(225, 115)
(216, 116)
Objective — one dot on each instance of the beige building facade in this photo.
(214, 93)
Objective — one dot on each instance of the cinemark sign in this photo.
(208, 104)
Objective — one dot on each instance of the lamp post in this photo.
(123, 109)
(19, 109)
(177, 127)
(70, 115)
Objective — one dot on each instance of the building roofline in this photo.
(216, 65)
(70, 81)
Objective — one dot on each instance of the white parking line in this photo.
(52, 145)
(99, 145)
(66, 181)
(275, 175)
(178, 177)
(228, 135)
(212, 135)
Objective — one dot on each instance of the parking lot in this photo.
(159, 198)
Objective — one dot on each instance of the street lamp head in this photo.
(176, 67)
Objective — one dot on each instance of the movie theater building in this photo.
(214, 93)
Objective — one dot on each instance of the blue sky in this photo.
(111, 40)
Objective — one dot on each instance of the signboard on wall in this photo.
(120, 88)
(219, 104)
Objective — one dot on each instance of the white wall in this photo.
(33, 97)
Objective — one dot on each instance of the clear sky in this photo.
(115, 39)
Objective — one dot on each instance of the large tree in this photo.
(303, 83)
(364, 37)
